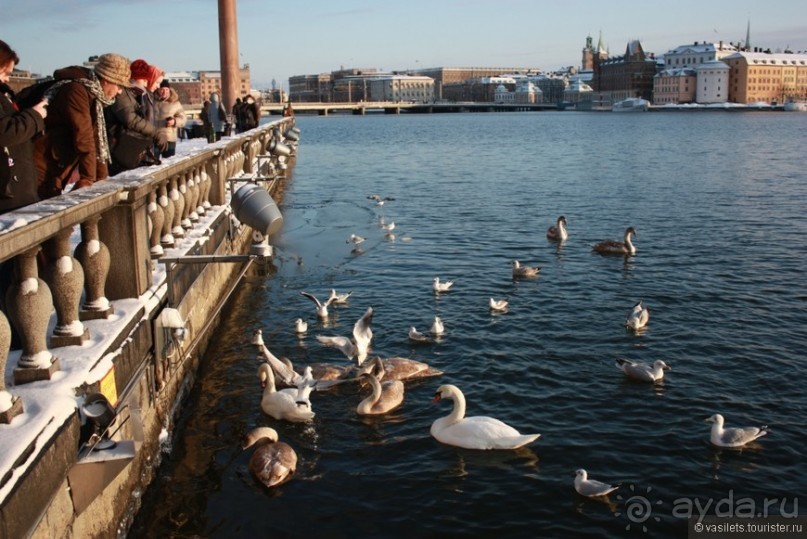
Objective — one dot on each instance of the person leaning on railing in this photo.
(75, 146)
(17, 131)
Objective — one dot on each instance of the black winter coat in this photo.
(18, 175)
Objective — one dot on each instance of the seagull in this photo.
(300, 326)
(642, 371)
(354, 239)
(322, 308)
(558, 232)
(359, 346)
(389, 227)
(498, 304)
(438, 287)
(733, 437)
(437, 327)
(638, 317)
(591, 488)
(524, 271)
(338, 298)
(416, 336)
(285, 370)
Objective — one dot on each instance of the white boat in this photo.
(631, 104)
(795, 106)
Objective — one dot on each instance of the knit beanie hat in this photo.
(113, 68)
(140, 70)
(154, 74)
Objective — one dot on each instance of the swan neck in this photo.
(270, 378)
(459, 407)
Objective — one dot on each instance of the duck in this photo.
(498, 304)
(520, 271)
(614, 247)
(300, 326)
(438, 328)
(477, 432)
(322, 308)
(417, 337)
(638, 317)
(385, 396)
(285, 404)
(733, 437)
(400, 368)
(357, 347)
(339, 299)
(591, 488)
(444, 286)
(273, 462)
(642, 371)
(558, 232)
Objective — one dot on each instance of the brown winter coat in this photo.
(18, 179)
(70, 143)
(170, 108)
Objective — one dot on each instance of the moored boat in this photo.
(631, 104)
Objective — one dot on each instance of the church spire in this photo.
(748, 36)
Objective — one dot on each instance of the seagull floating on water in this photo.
(498, 304)
(642, 371)
(638, 318)
(322, 308)
(354, 239)
(389, 227)
(524, 271)
(558, 232)
(444, 286)
(614, 247)
(735, 436)
(417, 337)
(591, 488)
(338, 298)
(437, 328)
(300, 326)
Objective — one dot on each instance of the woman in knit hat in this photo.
(75, 148)
(130, 120)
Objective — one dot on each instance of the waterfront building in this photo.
(503, 95)
(446, 76)
(630, 75)
(527, 92)
(675, 86)
(697, 53)
(765, 77)
(310, 88)
(588, 55)
(579, 93)
(712, 83)
(397, 87)
(193, 87)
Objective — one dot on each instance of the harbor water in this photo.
(718, 201)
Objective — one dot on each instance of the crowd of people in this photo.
(88, 123)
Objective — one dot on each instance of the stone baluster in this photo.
(10, 406)
(193, 187)
(93, 255)
(206, 183)
(187, 196)
(167, 238)
(197, 178)
(179, 207)
(156, 218)
(65, 276)
(30, 304)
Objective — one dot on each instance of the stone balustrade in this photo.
(82, 284)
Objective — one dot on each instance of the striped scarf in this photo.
(101, 101)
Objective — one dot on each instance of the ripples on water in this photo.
(718, 200)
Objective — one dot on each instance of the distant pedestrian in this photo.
(288, 111)
(18, 178)
(238, 116)
(217, 117)
(251, 113)
(75, 148)
(170, 116)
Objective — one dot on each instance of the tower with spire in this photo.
(748, 36)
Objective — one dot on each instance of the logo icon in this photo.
(638, 508)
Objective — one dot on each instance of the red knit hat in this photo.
(140, 69)
(154, 74)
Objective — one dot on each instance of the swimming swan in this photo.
(479, 432)
(286, 404)
(614, 247)
(558, 232)
(273, 463)
(385, 396)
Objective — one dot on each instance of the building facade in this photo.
(415, 88)
(310, 88)
(675, 86)
(763, 77)
(620, 77)
(712, 83)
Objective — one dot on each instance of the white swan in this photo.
(638, 317)
(498, 304)
(591, 488)
(558, 232)
(520, 271)
(273, 463)
(385, 396)
(733, 437)
(322, 308)
(642, 371)
(359, 346)
(478, 432)
(417, 337)
(437, 328)
(444, 286)
(614, 247)
(285, 404)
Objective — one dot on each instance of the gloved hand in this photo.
(161, 140)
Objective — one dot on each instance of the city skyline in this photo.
(320, 37)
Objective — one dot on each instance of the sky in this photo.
(282, 39)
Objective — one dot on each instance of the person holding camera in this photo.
(170, 116)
